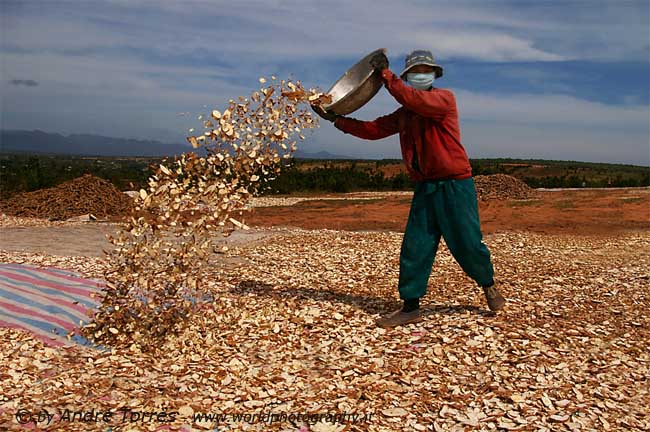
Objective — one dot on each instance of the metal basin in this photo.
(356, 87)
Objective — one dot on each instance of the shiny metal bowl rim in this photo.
(333, 105)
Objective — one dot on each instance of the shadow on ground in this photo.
(370, 305)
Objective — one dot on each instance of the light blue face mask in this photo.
(420, 81)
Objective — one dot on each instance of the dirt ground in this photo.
(588, 212)
(89, 239)
(291, 327)
(596, 211)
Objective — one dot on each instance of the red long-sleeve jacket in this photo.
(428, 127)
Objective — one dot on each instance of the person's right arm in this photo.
(379, 128)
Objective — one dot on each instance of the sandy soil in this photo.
(602, 211)
(88, 239)
(596, 212)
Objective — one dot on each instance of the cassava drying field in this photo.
(291, 329)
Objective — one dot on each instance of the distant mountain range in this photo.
(299, 154)
(40, 142)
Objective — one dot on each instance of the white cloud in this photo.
(490, 31)
(100, 76)
(488, 46)
(539, 142)
(549, 110)
(109, 67)
(526, 126)
(122, 98)
(553, 127)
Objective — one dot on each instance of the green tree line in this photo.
(19, 173)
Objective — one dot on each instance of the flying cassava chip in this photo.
(161, 254)
(193, 141)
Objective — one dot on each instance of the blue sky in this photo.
(540, 79)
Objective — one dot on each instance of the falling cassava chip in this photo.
(191, 200)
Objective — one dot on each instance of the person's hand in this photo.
(327, 115)
(379, 61)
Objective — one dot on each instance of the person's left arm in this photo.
(434, 104)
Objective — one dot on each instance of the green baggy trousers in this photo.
(446, 208)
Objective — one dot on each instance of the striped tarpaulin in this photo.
(46, 301)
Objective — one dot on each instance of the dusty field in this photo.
(562, 212)
(291, 329)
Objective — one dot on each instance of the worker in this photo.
(444, 201)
